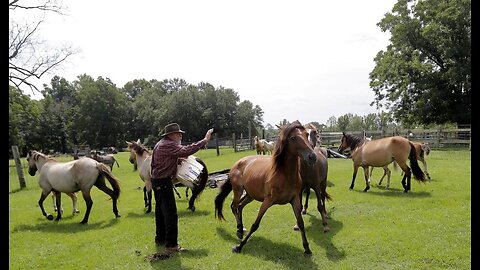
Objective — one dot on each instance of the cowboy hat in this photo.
(172, 128)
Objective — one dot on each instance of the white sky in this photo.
(297, 60)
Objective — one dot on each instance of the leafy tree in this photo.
(23, 119)
(356, 123)
(343, 122)
(371, 121)
(424, 76)
(101, 110)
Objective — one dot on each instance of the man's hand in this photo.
(208, 135)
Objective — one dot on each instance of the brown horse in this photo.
(379, 153)
(315, 177)
(269, 179)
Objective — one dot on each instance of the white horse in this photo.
(69, 177)
(268, 147)
(143, 158)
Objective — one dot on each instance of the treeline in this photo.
(95, 112)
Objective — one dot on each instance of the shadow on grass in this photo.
(394, 192)
(61, 227)
(261, 247)
(315, 232)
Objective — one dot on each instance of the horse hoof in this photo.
(191, 208)
(307, 253)
(405, 191)
(304, 212)
(296, 228)
(236, 249)
(326, 229)
(83, 222)
(50, 217)
(76, 211)
(240, 235)
(351, 187)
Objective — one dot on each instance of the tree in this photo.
(344, 121)
(424, 76)
(30, 57)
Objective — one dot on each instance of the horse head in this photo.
(350, 142)
(293, 138)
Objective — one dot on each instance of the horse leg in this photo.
(367, 179)
(297, 208)
(246, 199)
(176, 191)
(355, 169)
(186, 192)
(73, 196)
(110, 193)
(305, 206)
(321, 208)
(147, 198)
(425, 168)
(388, 172)
(44, 195)
(237, 198)
(263, 208)
(58, 197)
(88, 203)
(55, 204)
(407, 175)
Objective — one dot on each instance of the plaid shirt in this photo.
(165, 155)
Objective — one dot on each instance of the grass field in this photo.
(428, 228)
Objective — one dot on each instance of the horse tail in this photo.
(417, 172)
(225, 189)
(327, 196)
(395, 165)
(200, 186)
(105, 171)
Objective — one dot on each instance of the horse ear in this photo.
(343, 133)
(138, 141)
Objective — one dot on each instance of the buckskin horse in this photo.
(380, 153)
(143, 157)
(77, 175)
(269, 179)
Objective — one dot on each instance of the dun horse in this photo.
(72, 176)
(380, 153)
(143, 157)
(269, 179)
(315, 177)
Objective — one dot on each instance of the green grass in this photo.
(428, 228)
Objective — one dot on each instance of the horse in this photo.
(259, 147)
(315, 177)
(268, 147)
(379, 153)
(268, 179)
(72, 176)
(421, 149)
(73, 196)
(143, 158)
(105, 159)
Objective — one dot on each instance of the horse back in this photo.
(70, 176)
(382, 152)
(251, 173)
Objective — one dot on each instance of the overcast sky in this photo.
(297, 60)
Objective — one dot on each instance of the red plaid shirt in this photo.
(165, 155)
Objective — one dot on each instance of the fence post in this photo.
(250, 134)
(234, 142)
(18, 165)
(216, 144)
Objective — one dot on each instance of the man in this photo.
(164, 167)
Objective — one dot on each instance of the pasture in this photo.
(427, 228)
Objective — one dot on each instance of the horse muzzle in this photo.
(32, 171)
(310, 159)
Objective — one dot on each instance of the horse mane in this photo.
(36, 155)
(311, 126)
(279, 152)
(140, 149)
(354, 141)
